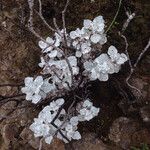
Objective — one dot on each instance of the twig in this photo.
(132, 67)
(130, 64)
(56, 26)
(12, 85)
(130, 18)
(114, 19)
(61, 133)
(13, 117)
(66, 119)
(58, 113)
(64, 23)
(42, 18)
(44, 21)
(31, 27)
(40, 7)
(10, 97)
(70, 69)
(126, 50)
(30, 21)
(40, 146)
(142, 53)
(121, 91)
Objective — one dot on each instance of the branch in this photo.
(142, 53)
(10, 97)
(61, 133)
(129, 19)
(40, 7)
(45, 22)
(130, 64)
(31, 27)
(40, 146)
(63, 20)
(56, 26)
(42, 18)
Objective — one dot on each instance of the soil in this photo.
(20, 55)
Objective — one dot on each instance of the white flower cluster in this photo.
(105, 64)
(87, 111)
(62, 70)
(50, 45)
(92, 32)
(37, 89)
(67, 61)
(62, 126)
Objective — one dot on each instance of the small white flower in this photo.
(85, 48)
(49, 40)
(93, 75)
(58, 122)
(57, 40)
(32, 88)
(53, 54)
(46, 116)
(87, 103)
(113, 53)
(72, 60)
(47, 87)
(60, 101)
(46, 46)
(122, 59)
(40, 129)
(76, 135)
(98, 24)
(87, 24)
(69, 128)
(88, 111)
(75, 70)
(95, 38)
(76, 44)
(103, 77)
(74, 121)
(75, 34)
(49, 139)
(42, 63)
(42, 45)
(36, 89)
(55, 105)
(116, 57)
(36, 98)
(88, 65)
(95, 110)
(78, 54)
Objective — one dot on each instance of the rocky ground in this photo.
(123, 123)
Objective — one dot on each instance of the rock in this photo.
(27, 136)
(145, 113)
(141, 136)
(126, 132)
(89, 141)
(8, 133)
(7, 108)
(143, 85)
(8, 91)
(23, 115)
(14, 117)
